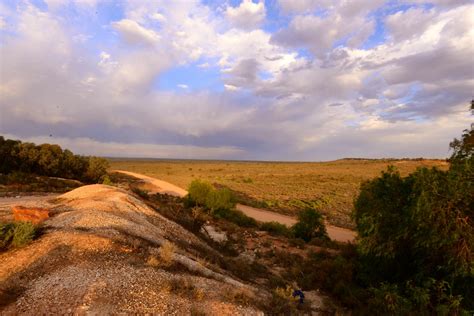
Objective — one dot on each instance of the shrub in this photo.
(282, 302)
(276, 228)
(220, 200)
(16, 234)
(310, 225)
(236, 217)
(198, 191)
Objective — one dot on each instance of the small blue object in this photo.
(300, 294)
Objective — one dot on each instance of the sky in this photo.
(302, 80)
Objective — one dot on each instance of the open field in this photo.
(285, 187)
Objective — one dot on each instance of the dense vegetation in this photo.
(416, 237)
(49, 160)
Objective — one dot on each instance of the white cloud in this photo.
(183, 86)
(248, 15)
(158, 17)
(134, 33)
(301, 6)
(343, 20)
(407, 24)
(204, 65)
(230, 87)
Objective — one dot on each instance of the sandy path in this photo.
(334, 232)
(161, 186)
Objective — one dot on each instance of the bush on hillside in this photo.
(310, 225)
(198, 191)
(220, 200)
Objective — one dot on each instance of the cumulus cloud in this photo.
(134, 33)
(248, 15)
(300, 6)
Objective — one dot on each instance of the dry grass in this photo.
(166, 252)
(240, 296)
(280, 186)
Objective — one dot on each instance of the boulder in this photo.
(211, 232)
(35, 215)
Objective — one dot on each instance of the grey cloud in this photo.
(52, 86)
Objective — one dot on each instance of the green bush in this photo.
(276, 228)
(220, 200)
(310, 225)
(16, 234)
(107, 180)
(198, 191)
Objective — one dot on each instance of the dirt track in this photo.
(159, 186)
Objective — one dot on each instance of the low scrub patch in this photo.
(277, 229)
(236, 217)
(16, 234)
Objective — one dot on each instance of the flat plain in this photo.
(284, 187)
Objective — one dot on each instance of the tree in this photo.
(417, 232)
(463, 148)
(310, 225)
(96, 169)
(50, 159)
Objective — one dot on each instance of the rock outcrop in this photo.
(94, 257)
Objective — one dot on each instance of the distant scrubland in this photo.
(285, 187)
